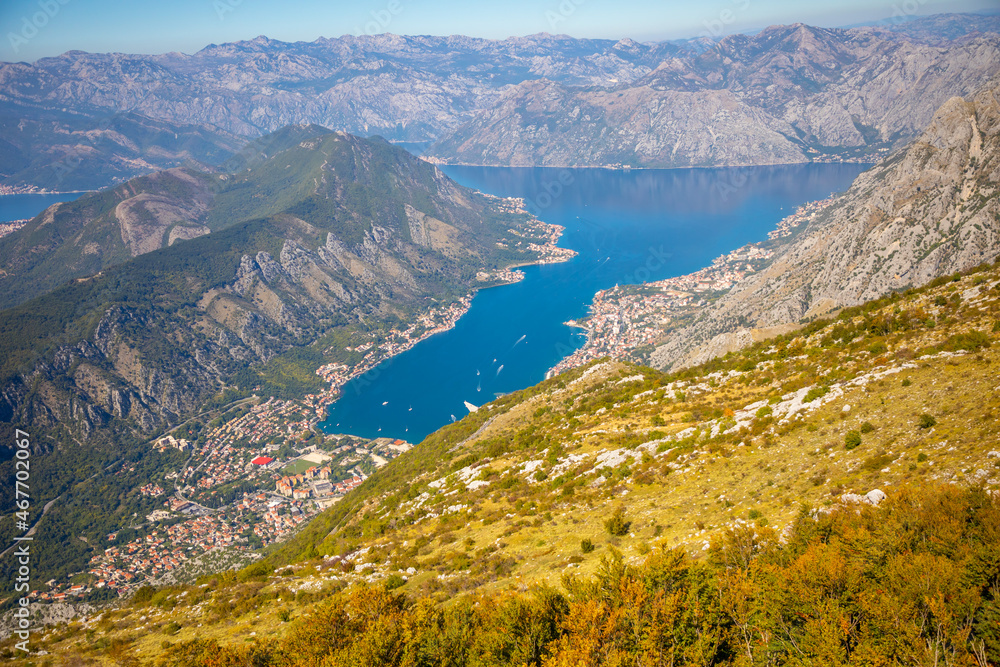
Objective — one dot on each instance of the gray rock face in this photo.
(405, 88)
(789, 94)
(929, 210)
(174, 327)
(545, 124)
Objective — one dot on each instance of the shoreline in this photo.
(619, 167)
(6, 191)
(550, 253)
(618, 319)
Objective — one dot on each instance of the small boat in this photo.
(453, 418)
(499, 369)
(477, 371)
(411, 409)
(385, 402)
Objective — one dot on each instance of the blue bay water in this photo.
(22, 207)
(627, 227)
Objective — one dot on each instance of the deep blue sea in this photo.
(21, 207)
(627, 226)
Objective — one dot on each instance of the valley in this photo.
(857, 412)
(672, 351)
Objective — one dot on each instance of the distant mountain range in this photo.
(788, 94)
(59, 150)
(929, 210)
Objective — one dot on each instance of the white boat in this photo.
(385, 402)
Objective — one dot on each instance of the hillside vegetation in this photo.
(825, 497)
(930, 209)
(310, 237)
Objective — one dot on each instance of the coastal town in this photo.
(337, 374)
(262, 468)
(443, 317)
(248, 481)
(626, 321)
(11, 226)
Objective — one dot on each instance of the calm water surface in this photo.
(22, 207)
(627, 226)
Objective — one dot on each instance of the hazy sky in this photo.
(33, 29)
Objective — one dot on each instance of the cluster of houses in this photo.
(126, 566)
(11, 227)
(59, 593)
(314, 483)
(169, 441)
(429, 323)
(152, 490)
(279, 519)
(311, 482)
(221, 460)
(623, 319)
(803, 214)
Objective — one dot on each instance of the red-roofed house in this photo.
(261, 460)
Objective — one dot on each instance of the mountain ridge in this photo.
(930, 209)
(793, 94)
(365, 85)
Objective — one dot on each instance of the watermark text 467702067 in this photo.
(22, 549)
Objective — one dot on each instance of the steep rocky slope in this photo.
(60, 150)
(401, 87)
(330, 230)
(929, 210)
(551, 499)
(541, 123)
(788, 94)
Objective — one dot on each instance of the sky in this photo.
(33, 29)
